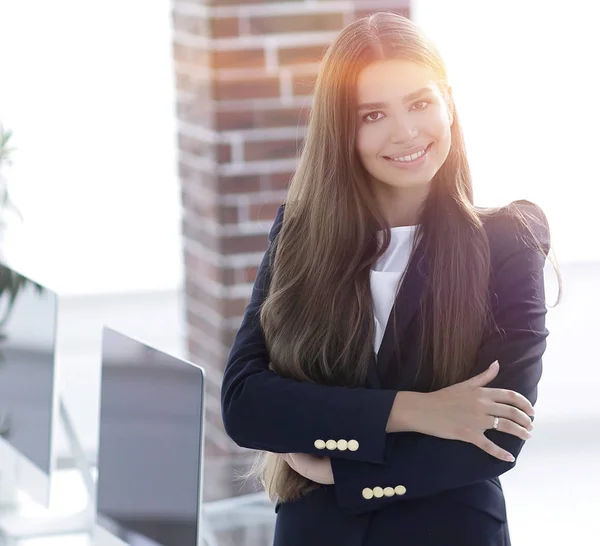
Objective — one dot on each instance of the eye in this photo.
(369, 119)
(424, 102)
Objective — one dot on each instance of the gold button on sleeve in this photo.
(352, 445)
(378, 492)
(400, 490)
(389, 492)
(319, 444)
(331, 445)
(342, 445)
(367, 493)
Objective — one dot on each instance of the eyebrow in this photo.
(406, 98)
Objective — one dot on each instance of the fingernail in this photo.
(509, 458)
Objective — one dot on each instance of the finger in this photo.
(512, 398)
(296, 462)
(510, 427)
(496, 451)
(485, 377)
(288, 459)
(512, 414)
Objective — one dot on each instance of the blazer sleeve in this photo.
(419, 465)
(264, 411)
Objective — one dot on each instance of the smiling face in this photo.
(403, 129)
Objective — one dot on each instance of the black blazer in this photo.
(435, 491)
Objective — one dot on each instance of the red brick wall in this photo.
(244, 73)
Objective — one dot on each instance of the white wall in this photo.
(88, 89)
(525, 81)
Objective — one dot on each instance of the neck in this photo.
(401, 206)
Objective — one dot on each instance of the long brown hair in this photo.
(318, 315)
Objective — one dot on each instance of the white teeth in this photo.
(411, 157)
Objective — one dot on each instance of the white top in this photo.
(387, 274)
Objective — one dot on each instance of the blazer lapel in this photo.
(403, 311)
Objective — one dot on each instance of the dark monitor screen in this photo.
(150, 444)
(28, 320)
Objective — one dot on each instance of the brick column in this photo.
(244, 71)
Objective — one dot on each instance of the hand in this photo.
(466, 410)
(317, 469)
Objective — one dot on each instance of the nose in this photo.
(404, 131)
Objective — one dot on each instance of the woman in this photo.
(387, 363)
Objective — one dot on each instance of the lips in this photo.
(415, 150)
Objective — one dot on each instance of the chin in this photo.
(405, 179)
(402, 184)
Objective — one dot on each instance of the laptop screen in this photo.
(150, 444)
(28, 320)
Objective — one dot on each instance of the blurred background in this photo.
(153, 145)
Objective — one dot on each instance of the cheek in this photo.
(444, 135)
(439, 125)
(367, 143)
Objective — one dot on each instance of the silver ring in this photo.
(496, 421)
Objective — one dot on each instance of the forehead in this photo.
(384, 81)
